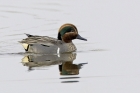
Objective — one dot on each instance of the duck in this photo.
(49, 45)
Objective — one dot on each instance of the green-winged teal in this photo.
(47, 45)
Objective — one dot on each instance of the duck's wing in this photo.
(43, 40)
(40, 44)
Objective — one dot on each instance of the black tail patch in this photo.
(28, 35)
(28, 47)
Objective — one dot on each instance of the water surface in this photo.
(107, 63)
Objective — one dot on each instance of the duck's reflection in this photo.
(68, 68)
(34, 62)
(64, 62)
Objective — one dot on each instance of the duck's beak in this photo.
(81, 38)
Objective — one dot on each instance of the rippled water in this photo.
(108, 62)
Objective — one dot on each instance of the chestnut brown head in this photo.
(68, 32)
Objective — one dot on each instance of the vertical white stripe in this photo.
(58, 51)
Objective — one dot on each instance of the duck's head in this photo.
(68, 32)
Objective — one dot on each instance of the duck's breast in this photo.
(67, 47)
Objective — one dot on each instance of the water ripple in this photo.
(74, 81)
(50, 4)
(4, 27)
(48, 9)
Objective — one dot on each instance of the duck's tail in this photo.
(28, 35)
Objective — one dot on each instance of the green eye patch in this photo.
(65, 30)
